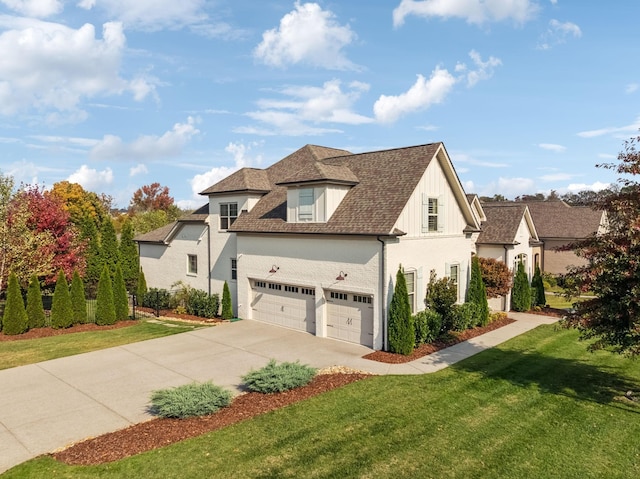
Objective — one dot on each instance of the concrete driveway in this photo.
(49, 405)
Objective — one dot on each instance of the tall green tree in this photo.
(128, 255)
(61, 308)
(120, 296)
(537, 284)
(521, 291)
(35, 309)
(78, 299)
(109, 246)
(14, 320)
(142, 287)
(90, 233)
(401, 328)
(477, 294)
(105, 305)
(227, 307)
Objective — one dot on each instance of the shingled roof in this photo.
(502, 223)
(557, 219)
(246, 180)
(161, 235)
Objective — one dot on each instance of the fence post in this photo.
(157, 303)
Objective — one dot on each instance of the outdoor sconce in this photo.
(341, 276)
(273, 269)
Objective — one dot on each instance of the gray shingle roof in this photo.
(557, 219)
(244, 180)
(159, 235)
(503, 221)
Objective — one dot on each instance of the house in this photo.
(314, 241)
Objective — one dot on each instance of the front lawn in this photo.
(537, 406)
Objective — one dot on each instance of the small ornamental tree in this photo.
(521, 291)
(78, 299)
(35, 309)
(120, 297)
(61, 309)
(402, 334)
(14, 320)
(227, 307)
(105, 307)
(141, 289)
(537, 285)
(442, 294)
(496, 277)
(128, 254)
(476, 293)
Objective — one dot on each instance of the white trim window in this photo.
(410, 279)
(192, 264)
(305, 204)
(453, 273)
(228, 214)
(234, 268)
(432, 214)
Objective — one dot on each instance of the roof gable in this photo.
(557, 219)
(503, 220)
(250, 180)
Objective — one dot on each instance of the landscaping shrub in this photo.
(521, 291)
(421, 327)
(120, 296)
(275, 378)
(61, 309)
(427, 324)
(195, 399)
(497, 316)
(496, 276)
(442, 294)
(141, 290)
(78, 300)
(157, 299)
(14, 318)
(227, 307)
(35, 309)
(402, 336)
(477, 294)
(203, 304)
(537, 295)
(465, 316)
(105, 307)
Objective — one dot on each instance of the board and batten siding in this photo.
(326, 199)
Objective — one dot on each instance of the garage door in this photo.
(285, 305)
(350, 317)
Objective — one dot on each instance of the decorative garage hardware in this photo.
(341, 276)
(273, 269)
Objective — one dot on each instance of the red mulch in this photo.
(78, 328)
(168, 313)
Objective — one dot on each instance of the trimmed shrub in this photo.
(402, 336)
(465, 316)
(521, 291)
(141, 290)
(157, 299)
(120, 296)
(35, 308)
(14, 319)
(496, 276)
(537, 295)
(203, 304)
(276, 378)
(78, 300)
(442, 294)
(427, 324)
(61, 309)
(195, 399)
(497, 316)
(227, 307)
(477, 294)
(105, 307)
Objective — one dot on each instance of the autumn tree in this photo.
(151, 197)
(83, 206)
(612, 269)
(496, 277)
(128, 256)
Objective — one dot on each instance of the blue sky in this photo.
(527, 95)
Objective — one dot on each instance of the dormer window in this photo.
(305, 204)
(228, 214)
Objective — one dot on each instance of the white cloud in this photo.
(631, 88)
(308, 35)
(459, 157)
(611, 130)
(468, 185)
(557, 177)
(552, 147)
(558, 33)
(473, 11)
(597, 186)
(483, 71)
(51, 68)
(427, 128)
(92, 179)
(35, 8)
(139, 169)
(512, 187)
(420, 96)
(607, 156)
(151, 147)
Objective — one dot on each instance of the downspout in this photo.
(383, 301)
(209, 259)
(507, 298)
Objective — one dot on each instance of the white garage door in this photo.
(285, 305)
(350, 317)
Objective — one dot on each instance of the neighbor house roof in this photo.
(502, 222)
(557, 219)
(244, 180)
(164, 233)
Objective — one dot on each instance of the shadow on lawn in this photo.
(562, 376)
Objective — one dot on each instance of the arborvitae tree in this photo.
(15, 319)
(120, 297)
(35, 309)
(537, 284)
(78, 299)
(142, 287)
(227, 307)
(108, 246)
(477, 294)
(401, 327)
(128, 254)
(90, 234)
(105, 306)
(521, 291)
(61, 309)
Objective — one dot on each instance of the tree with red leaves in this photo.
(151, 197)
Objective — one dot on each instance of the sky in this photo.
(528, 96)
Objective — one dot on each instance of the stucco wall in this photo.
(556, 262)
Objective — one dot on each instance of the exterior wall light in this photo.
(341, 276)
(273, 269)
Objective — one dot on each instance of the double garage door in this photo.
(349, 316)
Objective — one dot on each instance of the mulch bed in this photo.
(78, 328)
(168, 313)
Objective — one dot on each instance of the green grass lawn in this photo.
(21, 352)
(539, 406)
(561, 302)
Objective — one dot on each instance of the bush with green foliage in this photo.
(157, 299)
(141, 290)
(427, 324)
(108, 246)
(538, 298)
(276, 378)
(78, 299)
(203, 304)
(402, 336)
(195, 399)
(521, 291)
(442, 294)
(105, 306)
(477, 294)
(497, 316)
(465, 316)
(227, 307)
(61, 308)
(120, 296)
(128, 257)
(35, 309)
(14, 319)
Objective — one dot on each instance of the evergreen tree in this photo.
(61, 309)
(90, 234)
(78, 299)
(537, 284)
(227, 308)
(35, 309)
(401, 327)
(521, 291)
(105, 307)
(142, 287)
(128, 254)
(108, 246)
(477, 294)
(15, 319)
(120, 296)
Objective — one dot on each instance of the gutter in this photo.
(209, 259)
(383, 299)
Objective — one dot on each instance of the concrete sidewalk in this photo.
(49, 405)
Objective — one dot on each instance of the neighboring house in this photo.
(314, 241)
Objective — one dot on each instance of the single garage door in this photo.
(350, 317)
(285, 305)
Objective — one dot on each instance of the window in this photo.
(431, 215)
(291, 289)
(192, 264)
(361, 299)
(305, 204)
(228, 214)
(520, 258)
(342, 296)
(308, 291)
(234, 268)
(260, 284)
(454, 275)
(277, 287)
(410, 278)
